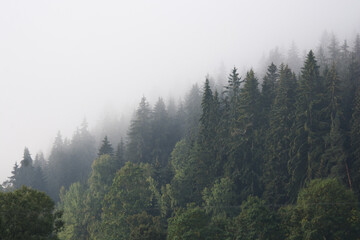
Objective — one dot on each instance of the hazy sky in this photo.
(61, 61)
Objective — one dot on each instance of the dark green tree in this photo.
(28, 214)
(325, 209)
(268, 91)
(190, 224)
(192, 110)
(146, 227)
(282, 117)
(256, 221)
(129, 194)
(244, 163)
(355, 144)
(106, 148)
(309, 127)
(138, 148)
(120, 155)
(333, 161)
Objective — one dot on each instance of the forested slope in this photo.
(276, 160)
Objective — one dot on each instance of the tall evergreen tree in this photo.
(307, 143)
(268, 92)
(244, 160)
(293, 59)
(282, 116)
(139, 146)
(192, 109)
(357, 47)
(355, 144)
(333, 160)
(120, 155)
(106, 148)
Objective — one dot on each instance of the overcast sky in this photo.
(61, 61)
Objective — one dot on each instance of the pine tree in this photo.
(57, 172)
(192, 109)
(161, 147)
(357, 48)
(120, 154)
(355, 145)
(205, 151)
(106, 148)
(293, 59)
(307, 141)
(138, 148)
(334, 159)
(244, 160)
(334, 50)
(282, 117)
(268, 92)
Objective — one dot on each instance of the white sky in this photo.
(63, 60)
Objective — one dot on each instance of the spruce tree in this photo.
(355, 145)
(282, 116)
(307, 141)
(334, 159)
(138, 148)
(268, 92)
(244, 162)
(120, 154)
(106, 148)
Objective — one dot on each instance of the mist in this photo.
(63, 61)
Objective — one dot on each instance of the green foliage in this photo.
(74, 205)
(129, 194)
(28, 214)
(243, 166)
(220, 200)
(146, 227)
(183, 188)
(189, 224)
(268, 92)
(276, 176)
(307, 143)
(139, 145)
(214, 151)
(70, 162)
(256, 221)
(325, 209)
(355, 143)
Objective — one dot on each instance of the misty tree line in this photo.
(276, 161)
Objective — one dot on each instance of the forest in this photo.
(274, 155)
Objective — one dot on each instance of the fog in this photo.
(63, 61)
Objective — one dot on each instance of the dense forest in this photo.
(276, 157)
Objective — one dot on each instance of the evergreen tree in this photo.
(192, 109)
(357, 47)
(243, 166)
(120, 155)
(334, 50)
(293, 59)
(268, 92)
(355, 145)
(27, 160)
(106, 148)
(333, 160)
(138, 148)
(307, 141)
(276, 176)
(57, 171)
(161, 147)
(325, 209)
(82, 153)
